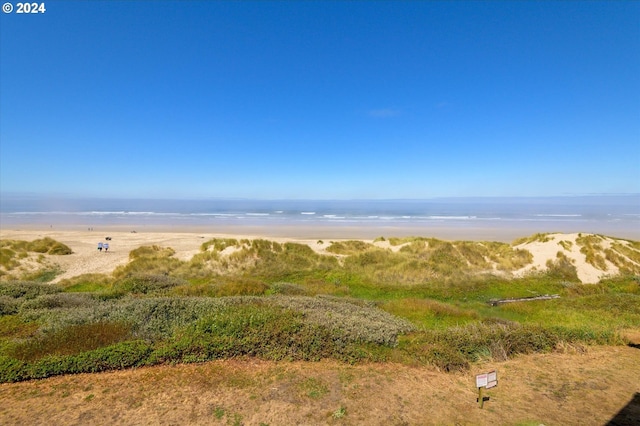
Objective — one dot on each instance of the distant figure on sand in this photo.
(106, 247)
(99, 246)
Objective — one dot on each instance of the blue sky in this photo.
(320, 99)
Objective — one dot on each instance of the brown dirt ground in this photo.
(581, 386)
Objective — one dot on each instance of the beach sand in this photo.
(298, 231)
(186, 242)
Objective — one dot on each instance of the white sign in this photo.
(492, 379)
(487, 380)
(481, 380)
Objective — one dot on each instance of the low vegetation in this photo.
(423, 302)
(590, 246)
(15, 254)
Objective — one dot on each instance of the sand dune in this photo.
(549, 245)
(86, 259)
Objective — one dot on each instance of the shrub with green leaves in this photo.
(455, 348)
(87, 283)
(117, 356)
(194, 329)
(265, 331)
(26, 289)
(8, 305)
(357, 322)
(288, 289)
(60, 301)
(147, 284)
(562, 268)
(70, 340)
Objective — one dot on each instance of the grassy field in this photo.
(428, 302)
(569, 386)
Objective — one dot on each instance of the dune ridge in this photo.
(593, 256)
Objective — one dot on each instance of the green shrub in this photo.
(288, 289)
(44, 275)
(118, 356)
(8, 305)
(562, 268)
(70, 340)
(356, 322)
(588, 335)
(264, 331)
(87, 283)
(456, 347)
(239, 287)
(447, 359)
(13, 370)
(15, 327)
(26, 289)
(60, 300)
(429, 312)
(146, 284)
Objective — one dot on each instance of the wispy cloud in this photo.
(384, 112)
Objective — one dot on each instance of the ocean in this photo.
(611, 215)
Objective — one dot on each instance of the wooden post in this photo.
(480, 398)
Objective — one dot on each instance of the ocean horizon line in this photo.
(53, 196)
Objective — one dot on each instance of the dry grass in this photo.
(576, 387)
(539, 237)
(591, 247)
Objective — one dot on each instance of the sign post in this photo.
(485, 380)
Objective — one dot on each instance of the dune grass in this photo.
(13, 253)
(590, 246)
(427, 303)
(42, 245)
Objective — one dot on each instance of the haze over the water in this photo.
(497, 218)
(320, 100)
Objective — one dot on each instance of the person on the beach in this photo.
(106, 247)
(100, 246)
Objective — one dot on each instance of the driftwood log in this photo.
(496, 302)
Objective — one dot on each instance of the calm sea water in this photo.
(610, 215)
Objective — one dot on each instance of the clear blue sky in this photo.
(321, 99)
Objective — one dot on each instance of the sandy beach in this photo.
(290, 232)
(186, 242)
(87, 259)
